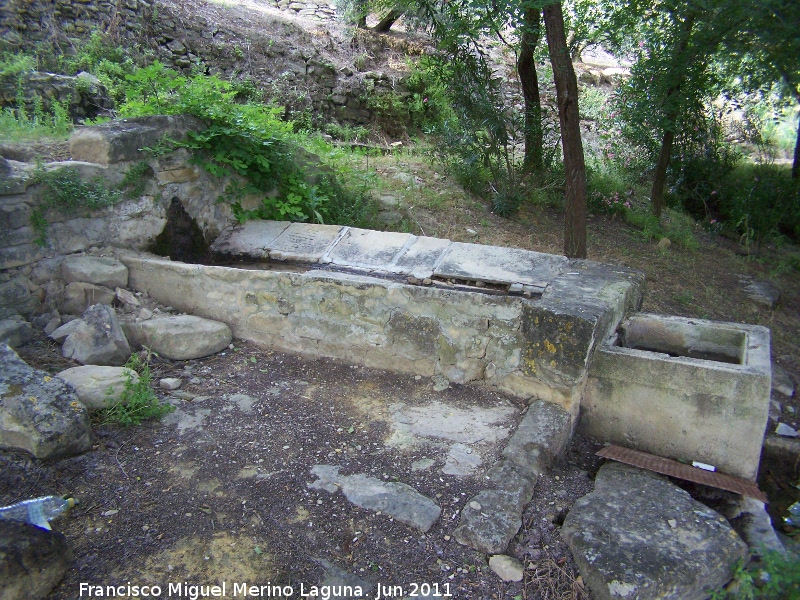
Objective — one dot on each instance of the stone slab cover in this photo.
(638, 535)
(494, 264)
(304, 243)
(367, 249)
(253, 238)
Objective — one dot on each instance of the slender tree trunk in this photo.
(796, 161)
(569, 119)
(534, 142)
(385, 24)
(660, 177)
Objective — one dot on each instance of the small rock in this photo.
(784, 430)
(506, 567)
(170, 383)
(672, 523)
(781, 382)
(97, 339)
(126, 297)
(15, 331)
(475, 505)
(762, 293)
(97, 386)
(59, 334)
(52, 325)
(78, 296)
(145, 314)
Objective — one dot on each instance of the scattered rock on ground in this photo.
(781, 382)
(15, 331)
(336, 578)
(506, 567)
(183, 337)
(461, 460)
(108, 272)
(32, 560)
(127, 297)
(493, 517)
(39, 413)
(392, 498)
(97, 386)
(785, 430)
(170, 383)
(97, 339)
(625, 546)
(62, 332)
(762, 293)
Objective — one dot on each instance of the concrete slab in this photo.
(420, 259)
(396, 499)
(442, 421)
(304, 243)
(493, 264)
(252, 238)
(367, 249)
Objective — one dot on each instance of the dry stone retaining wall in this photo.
(299, 75)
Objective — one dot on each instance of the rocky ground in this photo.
(220, 490)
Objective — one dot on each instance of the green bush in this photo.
(607, 190)
(248, 140)
(775, 577)
(137, 402)
(760, 201)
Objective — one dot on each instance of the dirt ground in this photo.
(218, 491)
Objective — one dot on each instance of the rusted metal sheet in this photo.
(673, 468)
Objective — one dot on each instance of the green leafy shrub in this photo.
(760, 201)
(138, 402)
(775, 577)
(608, 191)
(246, 142)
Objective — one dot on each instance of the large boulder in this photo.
(32, 560)
(638, 535)
(97, 339)
(183, 337)
(39, 413)
(99, 270)
(97, 386)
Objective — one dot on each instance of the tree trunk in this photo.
(796, 161)
(571, 144)
(385, 24)
(660, 177)
(534, 142)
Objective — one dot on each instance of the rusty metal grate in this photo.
(673, 468)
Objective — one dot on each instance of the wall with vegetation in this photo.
(296, 75)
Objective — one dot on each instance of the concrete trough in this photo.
(686, 389)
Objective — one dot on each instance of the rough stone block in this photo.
(38, 413)
(97, 270)
(79, 296)
(98, 387)
(183, 337)
(638, 535)
(540, 438)
(32, 560)
(122, 140)
(15, 331)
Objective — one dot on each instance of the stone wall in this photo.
(29, 266)
(83, 96)
(293, 65)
